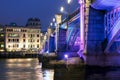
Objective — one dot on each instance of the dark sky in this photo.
(20, 10)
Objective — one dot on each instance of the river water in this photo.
(24, 69)
(31, 69)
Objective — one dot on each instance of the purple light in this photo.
(82, 14)
(80, 1)
(66, 56)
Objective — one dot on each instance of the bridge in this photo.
(92, 32)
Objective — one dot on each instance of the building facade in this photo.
(2, 39)
(21, 38)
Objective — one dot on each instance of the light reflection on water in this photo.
(30, 69)
(24, 69)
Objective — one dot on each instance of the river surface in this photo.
(31, 69)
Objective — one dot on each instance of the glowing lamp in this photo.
(47, 51)
(66, 56)
(61, 9)
(68, 1)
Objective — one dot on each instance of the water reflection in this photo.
(88, 73)
(30, 69)
(69, 74)
(102, 73)
(23, 69)
(48, 74)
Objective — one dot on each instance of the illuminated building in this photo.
(23, 38)
(2, 35)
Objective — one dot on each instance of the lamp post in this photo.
(82, 29)
(68, 2)
(61, 9)
(66, 59)
(67, 16)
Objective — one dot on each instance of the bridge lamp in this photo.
(53, 19)
(66, 56)
(55, 25)
(61, 9)
(51, 24)
(68, 1)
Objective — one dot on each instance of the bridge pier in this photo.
(103, 60)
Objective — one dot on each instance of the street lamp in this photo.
(51, 24)
(66, 59)
(67, 16)
(68, 1)
(53, 19)
(61, 9)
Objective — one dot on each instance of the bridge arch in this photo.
(112, 27)
(113, 35)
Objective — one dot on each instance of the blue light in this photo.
(47, 51)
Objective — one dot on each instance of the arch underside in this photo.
(113, 38)
(113, 45)
(106, 4)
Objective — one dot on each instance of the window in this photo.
(37, 45)
(8, 40)
(17, 45)
(13, 40)
(13, 35)
(23, 40)
(37, 40)
(37, 35)
(23, 35)
(1, 29)
(10, 30)
(2, 45)
(1, 35)
(23, 46)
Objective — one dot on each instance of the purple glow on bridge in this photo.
(77, 42)
(81, 2)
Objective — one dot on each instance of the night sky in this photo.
(19, 11)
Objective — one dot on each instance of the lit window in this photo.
(1, 35)
(1, 29)
(2, 45)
